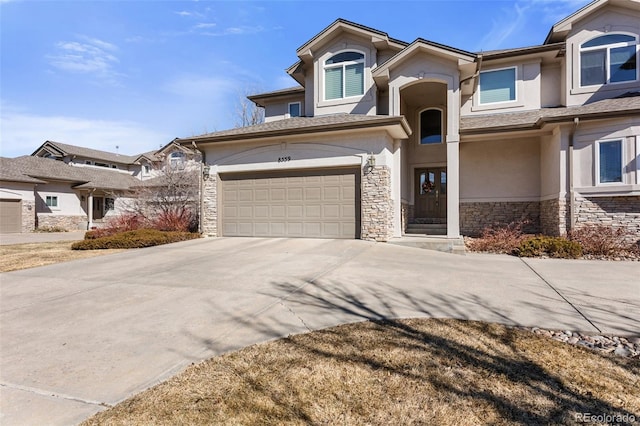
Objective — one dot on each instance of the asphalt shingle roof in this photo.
(28, 168)
(94, 153)
(626, 104)
(301, 124)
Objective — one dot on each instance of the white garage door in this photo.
(10, 216)
(311, 204)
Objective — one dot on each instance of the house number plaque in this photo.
(284, 159)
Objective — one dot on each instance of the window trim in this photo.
(607, 48)
(515, 87)
(442, 129)
(299, 109)
(180, 160)
(597, 162)
(324, 67)
(52, 198)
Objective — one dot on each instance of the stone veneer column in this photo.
(377, 205)
(554, 217)
(210, 206)
(28, 216)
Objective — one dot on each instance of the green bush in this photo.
(133, 239)
(557, 247)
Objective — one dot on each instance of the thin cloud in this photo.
(193, 86)
(87, 56)
(503, 28)
(205, 25)
(241, 30)
(22, 133)
(188, 14)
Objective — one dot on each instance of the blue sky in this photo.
(136, 74)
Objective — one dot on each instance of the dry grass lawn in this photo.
(23, 256)
(418, 371)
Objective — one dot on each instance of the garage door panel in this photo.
(318, 203)
(10, 216)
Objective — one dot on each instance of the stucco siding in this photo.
(507, 170)
(612, 19)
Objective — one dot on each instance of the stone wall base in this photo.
(377, 206)
(28, 216)
(210, 206)
(68, 223)
(617, 212)
(477, 216)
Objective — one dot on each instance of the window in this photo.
(101, 164)
(610, 161)
(498, 86)
(88, 162)
(146, 169)
(52, 201)
(610, 58)
(176, 160)
(109, 204)
(113, 166)
(294, 109)
(344, 75)
(430, 126)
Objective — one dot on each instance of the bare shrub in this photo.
(179, 219)
(600, 240)
(500, 239)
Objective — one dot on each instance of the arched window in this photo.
(344, 75)
(610, 58)
(176, 160)
(430, 126)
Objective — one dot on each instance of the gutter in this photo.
(572, 198)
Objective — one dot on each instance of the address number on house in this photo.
(284, 159)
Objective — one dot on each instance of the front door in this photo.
(431, 193)
(98, 211)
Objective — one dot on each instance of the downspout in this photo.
(474, 75)
(572, 198)
(200, 187)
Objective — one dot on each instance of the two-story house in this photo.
(380, 135)
(71, 187)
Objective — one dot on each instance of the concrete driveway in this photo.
(79, 336)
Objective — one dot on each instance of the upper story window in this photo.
(497, 86)
(430, 126)
(51, 201)
(176, 160)
(344, 75)
(611, 58)
(294, 109)
(610, 161)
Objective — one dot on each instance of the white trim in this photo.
(597, 161)
(323, 67)
(515, 85)
(299, 109)
(637, 158)
(607, 48)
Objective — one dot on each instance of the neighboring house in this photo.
(382, 137)
(70, 187)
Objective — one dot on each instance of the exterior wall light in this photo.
(371, 164)
(206, 171)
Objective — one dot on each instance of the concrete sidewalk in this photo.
(79, 336)
(40, 237)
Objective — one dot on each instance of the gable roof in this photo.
(561, 29)
(62, 149)
(305, 125)
(259, 98)
(622, 106)
(27, 168)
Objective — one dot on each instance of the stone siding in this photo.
(475, 217)
(68, 223)
(617, 212)
(210, 206)
(406, 215)
(554, 217)
(377, 206)
(28, 216)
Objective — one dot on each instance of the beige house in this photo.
(382, 137)
(71, 187)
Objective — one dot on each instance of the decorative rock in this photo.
(622, 351)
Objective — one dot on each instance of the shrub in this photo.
(133, 239)
(600, 240)
(557, 247)
(182, 220)
(499, 239)
(51, 229)
(121, 223)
